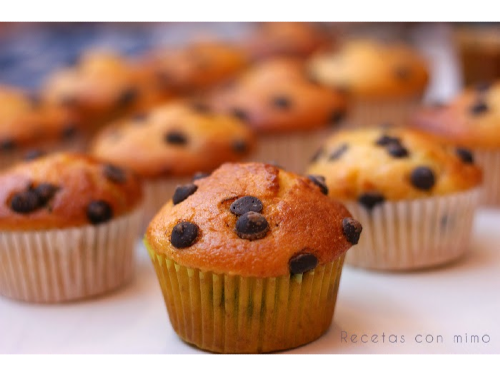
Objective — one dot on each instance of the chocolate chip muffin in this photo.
(28, 127)
(290, 113)
(249, 260)
(415, 196)
(171, 143)
(290, 39)
(197, 66)
(385, 81)
(103, 86)
(471, 122)
(68, 225)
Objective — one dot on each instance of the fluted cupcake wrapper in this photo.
(235, 314)
(489, 161)
(292, 151)
(68, 264)
(413, 234)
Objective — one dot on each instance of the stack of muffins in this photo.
(201, 149)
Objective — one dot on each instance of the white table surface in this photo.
(461, 298)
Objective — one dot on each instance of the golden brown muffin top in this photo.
(293, 39)
(65, 190)
(25, 121)
(373, 165)
(369, 69)
(277, 96)
(103, 85)
(176, 139)
(252, 219)
(196, 66)
(471, 120)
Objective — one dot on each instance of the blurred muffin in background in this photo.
(103, 86)
(29, 127)
(197, 66)
(290, 113)
(479, 48)
(292, 39)
(471, 121)
(171, 143)
(384, 81)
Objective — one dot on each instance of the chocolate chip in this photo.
(200, 175)
(317, 155)
(337, 116)
(70, 130)
(370, 200)
(465, 155)
(184, 235)
(402, 73)
(45, 192)
(302, 262)
(385, 140)
(240, 114)
(246, 204)
(482, 86)
(33, 154)
(397, 150)
(478, 108)
(342, 89)
(281, 102)
(7, 145)
(34, 99)
(337, 153)
(240, 146)
(175, 138)
(320, 182)
(68, 101)
(99, 212)
(252, 226)
(115, 174)
(200, 107)
(25, 202)
(128, 96)
(351, 229)
(422, 178)
(182, 192)
(139, 118)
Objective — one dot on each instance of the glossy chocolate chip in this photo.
(282, 102)
(182, 192)
(320, 182)
(337, 116)
(351, 229)
(402, 72)
(370, 200)
(115, 174)
(338, 152)
(479, 108)
(70, 130)
(175, 138)
(317, 155)
(25, 202)
(385, 140)
(184, 234)
(252, 226)
(128, 96)
(45, 192)
(7, 145)
(240, 146)
(465, 155)
(99, 212)
(302, 262)
(200, 175)
(33, 154)
(397, 150)
(422, 178)
(240, 114)
(246, 204)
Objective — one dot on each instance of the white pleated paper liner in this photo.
(414, 234)
(68, 264)
(489, 161)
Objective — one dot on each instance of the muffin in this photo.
(250, 260)
(171, 143)
(414, 196)
(68, 225)
(103, 86)
(290, 113)
(197, 66)
(285, 39)
(28, 127)
(471, 121)
(384, 81)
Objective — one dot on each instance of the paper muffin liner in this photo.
(68, 264)
(292, 151)
(393, 111)
(235, 314)
(413, 234)
(156, 194)
(489, 161)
